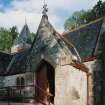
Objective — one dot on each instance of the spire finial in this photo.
(45, 9)
(25, 20)
(44, 2)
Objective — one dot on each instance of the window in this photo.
(20, 82)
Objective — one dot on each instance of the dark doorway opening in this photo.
(45, 82)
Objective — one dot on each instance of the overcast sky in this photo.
(13, 12)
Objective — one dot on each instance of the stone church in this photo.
(56, 69)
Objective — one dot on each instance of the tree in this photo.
(32, 36)
(77, 18)
(6, 38)
(99, 8)
(14, 33)
(81, 17)
(69, 24)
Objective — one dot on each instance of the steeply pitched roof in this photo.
(23, 36)
(101, 40)
(85, 38)
(16, 65)
(47, 45)
(4, 61)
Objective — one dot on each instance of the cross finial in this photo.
(45, 9)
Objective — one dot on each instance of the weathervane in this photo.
(45, 9)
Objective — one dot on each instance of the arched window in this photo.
(22, 82)
(18, 82)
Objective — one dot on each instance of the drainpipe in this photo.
(88, 93)
(87, 89)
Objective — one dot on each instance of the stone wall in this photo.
(71, 86)
(90, 66)
(11, 80)
(94, 82)
(28, 90)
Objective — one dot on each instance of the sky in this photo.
(15, 12)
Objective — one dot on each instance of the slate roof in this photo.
(23, 37)
(85, 38)
(4, 61)
(101, 40)
(15, 65)
(47, 45)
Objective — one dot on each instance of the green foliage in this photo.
(99, 8)
(7, 37)
(76, 19)
(70, 23)
(14, 33)
(82, 17)
(32, 36)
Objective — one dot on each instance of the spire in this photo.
(47, 44)
(23, 40)
(24, 35)
(45, 9)
(25, 21)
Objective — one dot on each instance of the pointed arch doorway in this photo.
(45, 83)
